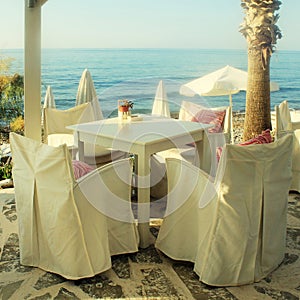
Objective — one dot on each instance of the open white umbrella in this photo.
(86, 93)
(160, 104)
(225, 81)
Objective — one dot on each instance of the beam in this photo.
(32, 70)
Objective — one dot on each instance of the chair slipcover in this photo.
(56, 133)
(285, 125)
(60, 230)
(56, 121)
(214, 140)
(189, 109)
(234, 229)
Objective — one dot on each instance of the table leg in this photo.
(80, 153)
(143, 184)
(204, 152)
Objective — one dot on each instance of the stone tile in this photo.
(100, 286)
(120, 265)
(293, 238)
(14, 266)
(294, 205)
(290, 258)
(156, 284)
(9, 210)
(46, 296)
(7, 290)
(148, 255)
(47, 280)
(11, 250)
(275, 294)
(199, 290)
(64, 294)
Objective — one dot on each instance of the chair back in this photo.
(233, 229)
(65, 226)
(51, 233)
(43, 181)
(188, 110)
(228, 127)
(248, 234)
(283, 118)
(55, 120)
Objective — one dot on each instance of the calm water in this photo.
(134, 74)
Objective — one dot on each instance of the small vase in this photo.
(124, 114)
(124, 109)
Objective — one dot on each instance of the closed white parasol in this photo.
(87, 93)
(160, 105)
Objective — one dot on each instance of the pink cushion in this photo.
(218, 153)
(209, 116)
(81, 168)
(263, 138)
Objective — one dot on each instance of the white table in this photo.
(143, 138)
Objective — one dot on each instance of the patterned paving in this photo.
(147, 274)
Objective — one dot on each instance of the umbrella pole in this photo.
(231, 121)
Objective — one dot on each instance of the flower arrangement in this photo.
(124, 105)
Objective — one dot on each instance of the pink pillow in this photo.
(81, 168)
(218, 153)
(263, 138)
(209, 116)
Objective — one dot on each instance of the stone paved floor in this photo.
(145, 275)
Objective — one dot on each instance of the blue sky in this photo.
(142, 24)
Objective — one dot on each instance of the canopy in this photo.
(225, 81)
(87, 93)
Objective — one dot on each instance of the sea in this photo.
(134, 74)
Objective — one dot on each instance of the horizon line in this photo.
(143, 48)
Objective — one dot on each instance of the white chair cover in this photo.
(56, 121)
(189, 109)
(295, 185)
(60, 230)
(285, 125)
(214, 140)
(57, 134)
(234, 229)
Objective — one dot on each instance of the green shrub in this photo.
(11, 97)
(5, 170)
(17, 125)
(11, 92)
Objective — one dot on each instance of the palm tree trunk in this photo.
(258, 114)
(260, 30)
